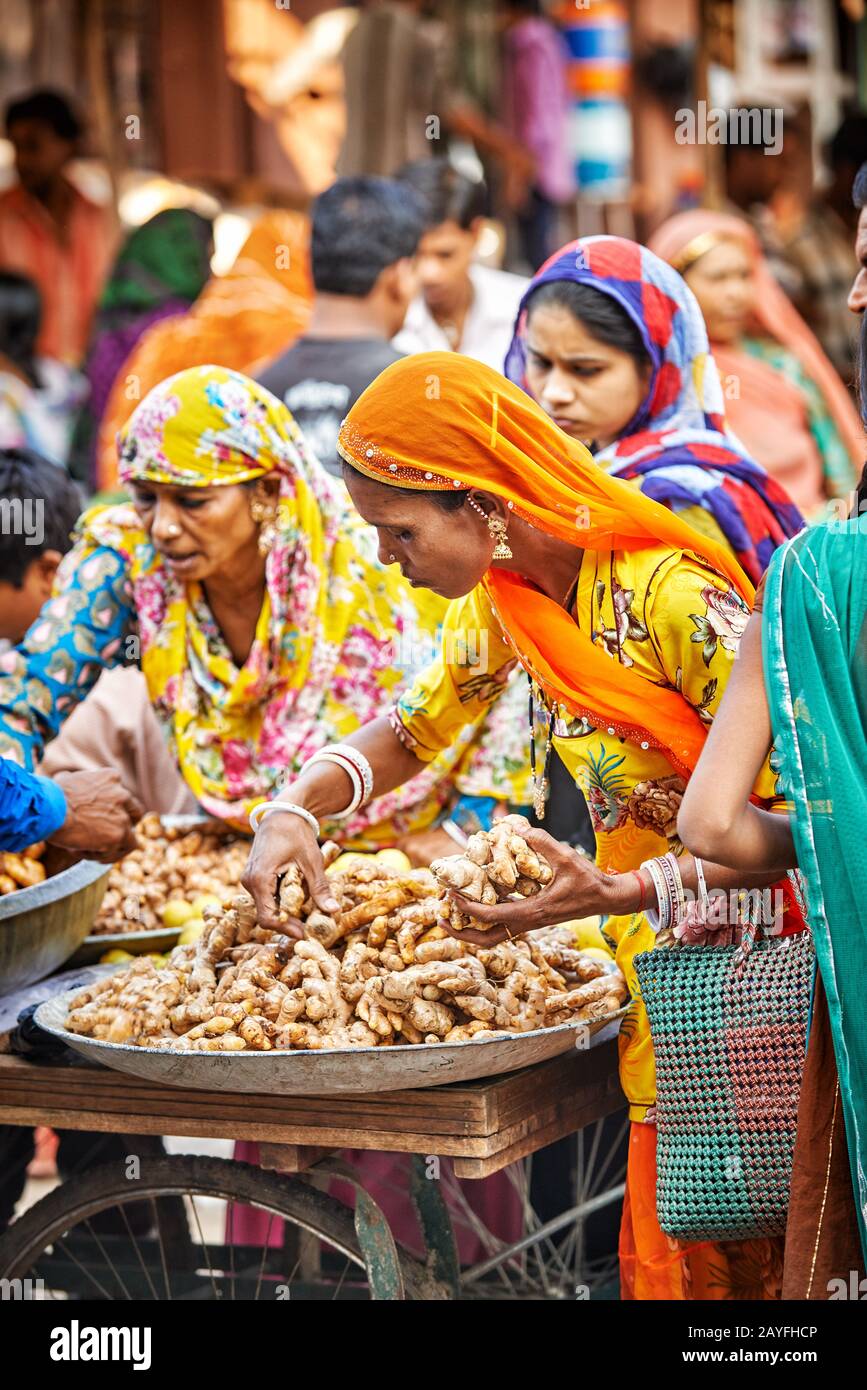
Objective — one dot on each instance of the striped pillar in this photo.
(597, 34)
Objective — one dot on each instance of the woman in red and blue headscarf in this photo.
(612, 344)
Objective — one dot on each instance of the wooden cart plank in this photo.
(381, 1141)
(492, 1121)
(530, 1138)
(514, 1095)
(233, 1115)
(454, 1109)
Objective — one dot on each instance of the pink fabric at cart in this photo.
(495, 1202)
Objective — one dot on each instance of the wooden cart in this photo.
(481, 1125)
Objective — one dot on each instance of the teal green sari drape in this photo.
(815, 658)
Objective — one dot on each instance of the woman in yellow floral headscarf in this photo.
(251, 594)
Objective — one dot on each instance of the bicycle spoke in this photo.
(59, 1241)
(265, 1248)
(211, 1270)
(144, 1269)
(609, 1158)
(109, 1261)
(588, 1167)
(159, 1230)
(343, 1275)
(230, 1222)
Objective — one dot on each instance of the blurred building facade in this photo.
(245, 97)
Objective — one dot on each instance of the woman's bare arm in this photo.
(717, 819)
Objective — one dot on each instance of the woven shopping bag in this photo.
(729, 1031)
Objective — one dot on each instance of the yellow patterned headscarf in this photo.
(207, 427)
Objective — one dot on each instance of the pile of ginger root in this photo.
(381, 971)
(22, 870)
(495, 865)
(169, 862)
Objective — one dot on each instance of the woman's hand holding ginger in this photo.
(283, 840)
(577, 889)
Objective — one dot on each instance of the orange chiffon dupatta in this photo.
(437, 421)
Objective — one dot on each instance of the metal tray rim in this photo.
(53, 889)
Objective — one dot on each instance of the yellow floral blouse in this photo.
(677, 623)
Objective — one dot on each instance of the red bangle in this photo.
(642, 903)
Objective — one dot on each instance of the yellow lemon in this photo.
(345, 861)
(586, 932)
(597, 953)
(177, 912)
(192, 930)
(115, 957)
(395, 859)
(204, 900)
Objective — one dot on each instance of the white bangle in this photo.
(259, 812)
(356, 758)
(357, 769)
(361, 763)
(702, 889)
(661, 918)
(671, 869)
(328, 756)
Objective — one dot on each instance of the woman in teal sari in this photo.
(801, 683)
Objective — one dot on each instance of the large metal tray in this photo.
(342, 1072)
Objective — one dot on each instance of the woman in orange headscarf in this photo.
(627, 623)
(783, 398)
(240, 319)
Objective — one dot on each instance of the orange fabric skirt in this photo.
(653, 1266)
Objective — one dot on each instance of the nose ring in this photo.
(391, 559)
(173, 531)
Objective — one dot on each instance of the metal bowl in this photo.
(40, 927)
(161, 939)
(137, 943)
(341, 1072)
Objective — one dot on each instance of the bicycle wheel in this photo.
(80, 1242)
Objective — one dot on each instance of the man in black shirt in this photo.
(365, 233)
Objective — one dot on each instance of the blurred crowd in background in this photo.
(141, 233)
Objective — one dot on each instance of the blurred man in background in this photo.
(404, 100)
(365, 235)
(462, 306)
(818, 243)
(805, 232)
(49, 231)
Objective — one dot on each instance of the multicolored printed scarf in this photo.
(676, 443)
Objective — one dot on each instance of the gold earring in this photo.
(264, 513)
(267, 537)
(498, 534)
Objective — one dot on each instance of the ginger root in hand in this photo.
(495, 865)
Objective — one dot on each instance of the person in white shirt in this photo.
(461, 306)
